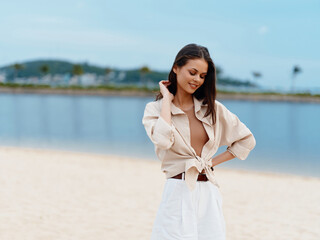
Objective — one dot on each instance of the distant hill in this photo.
(32, 68)
(133, 76)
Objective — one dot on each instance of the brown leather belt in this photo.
(201, 177)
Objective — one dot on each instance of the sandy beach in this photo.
(47, 194)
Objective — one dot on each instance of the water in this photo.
(287, 134)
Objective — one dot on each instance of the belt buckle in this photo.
(202, 176)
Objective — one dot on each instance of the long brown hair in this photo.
(207, 91)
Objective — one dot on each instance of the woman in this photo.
(187, 126)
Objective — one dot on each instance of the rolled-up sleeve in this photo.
(158, 130)
(235, 134)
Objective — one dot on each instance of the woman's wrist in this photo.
(168, 97)
(212, 163)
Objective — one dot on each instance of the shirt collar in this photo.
(197, 106)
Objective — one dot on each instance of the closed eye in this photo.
(203, 76)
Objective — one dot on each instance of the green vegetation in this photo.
(35, 68)
(44, 69)
(76, 87)
(142, 79)
(140, 76)
(129, 87)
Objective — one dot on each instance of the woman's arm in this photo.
(234, 134)
(157, 122)
(157, 128)
(166, 109)
(222, 157)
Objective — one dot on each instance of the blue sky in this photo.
(242, 36)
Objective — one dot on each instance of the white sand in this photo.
(60, 195)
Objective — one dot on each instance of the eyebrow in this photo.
(197, 70)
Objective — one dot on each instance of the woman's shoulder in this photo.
(154, 102)
(154, 105)
(219, 106)
(222, 110)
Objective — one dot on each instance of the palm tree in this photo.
(143, 71)
(256, 75)
(77, 70)
(17, 67)
(296, 69)
(44, 69)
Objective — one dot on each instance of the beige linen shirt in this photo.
(173, 144)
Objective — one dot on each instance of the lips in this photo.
(193, 86)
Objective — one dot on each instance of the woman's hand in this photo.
(163, 84)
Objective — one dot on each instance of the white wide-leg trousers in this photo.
(189, 215)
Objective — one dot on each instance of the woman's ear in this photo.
(174, 69)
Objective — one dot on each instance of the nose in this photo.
(196, 78)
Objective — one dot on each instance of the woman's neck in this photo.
(183, 101)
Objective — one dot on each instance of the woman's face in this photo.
(191, 76)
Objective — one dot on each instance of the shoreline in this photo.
(68, 195)
(135, 93)
(146, 159)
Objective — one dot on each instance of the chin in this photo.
(190, 91)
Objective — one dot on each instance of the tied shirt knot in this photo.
(195, 166)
